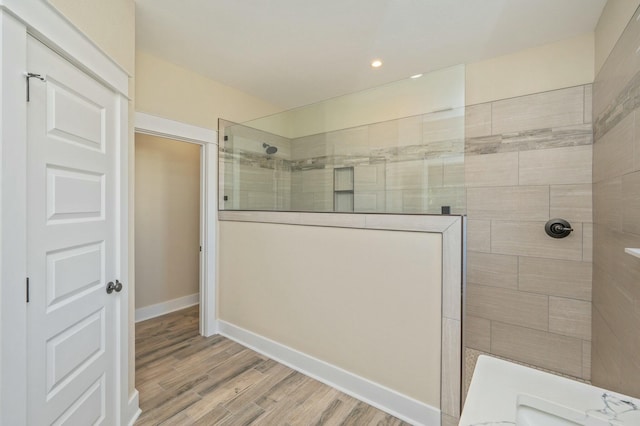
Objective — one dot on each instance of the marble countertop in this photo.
(497, 387)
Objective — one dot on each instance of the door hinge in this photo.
(200, 248)
(27, 289)
(29, 76)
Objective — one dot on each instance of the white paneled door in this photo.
(72, 245)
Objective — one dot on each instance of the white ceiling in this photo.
(295, 52)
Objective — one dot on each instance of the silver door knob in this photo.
(118, 286)
(110, 287)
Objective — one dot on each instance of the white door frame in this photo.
(208, 140)
(18, 20)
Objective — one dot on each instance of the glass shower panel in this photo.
(255, 172)
(356, 153)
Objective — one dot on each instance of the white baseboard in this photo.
(388, 400)
(133, 408)
(152, 311)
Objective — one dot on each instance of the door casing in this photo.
(18, 19)
(208, 140)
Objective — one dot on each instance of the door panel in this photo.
(71, 245)
(73, 118)
(73, 271)
(74, 195)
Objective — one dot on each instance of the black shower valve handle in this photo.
(558, 228)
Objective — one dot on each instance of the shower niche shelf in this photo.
(343, 189)
(633, 252)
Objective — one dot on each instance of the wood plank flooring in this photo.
(186, 379)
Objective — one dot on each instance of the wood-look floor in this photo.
(186, 379)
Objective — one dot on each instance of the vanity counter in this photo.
(503, 393)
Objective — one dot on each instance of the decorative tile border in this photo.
(625, 103)
(452, 230)
(530, 140)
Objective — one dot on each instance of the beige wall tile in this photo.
(613, 152)
(323, 201)
(383, 135)
(606, 355)
(636, 141)
(354, 141)
(607, 203)
(540, 348)
(588, 103)
(368, 201)
(447, 420)
(447, 196)
(410, 131)
(564, 107)
(509, 306)
(479, 235)
(554, 277)
(309, 147)
(477, 333)
(415, 201)
(631, 203)
(495, 270)
(586, 360)
(587, 242)
(453, 173)
(492, 169)
(317, 180)
(443, 126)
(530, 239)
(405, 175)
(261, 201)
(434, 170)
(393, 201)
(621, 268)
(256, 179)
(615, 304)
(620, 66)
(571, 202)
(369, 178)
(451, 361)
(556, 166)
(477, 120)
(508, 203)
(570, 317)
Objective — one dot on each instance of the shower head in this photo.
(269, 148)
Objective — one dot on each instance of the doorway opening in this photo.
(206, 141)
(168, 218)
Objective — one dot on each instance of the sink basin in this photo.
(534, 411)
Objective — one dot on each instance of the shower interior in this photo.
(397, 148)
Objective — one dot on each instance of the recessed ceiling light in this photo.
(416, 76)
(377, 63)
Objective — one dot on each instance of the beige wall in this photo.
(367, 301)
(169, 91)
(552, 66)
(614, 19)
(167, 210)
(109, 24)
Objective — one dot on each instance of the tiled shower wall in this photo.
(251, 179)
(528, 159)
(410, 165)
(616, 178)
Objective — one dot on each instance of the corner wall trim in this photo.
(134, 410)
(152, 311)
(379, 396)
